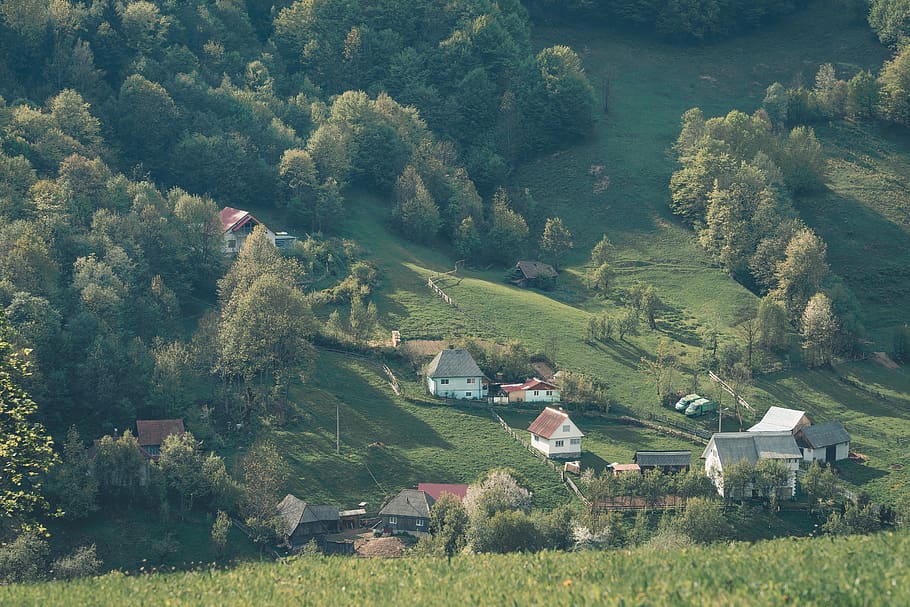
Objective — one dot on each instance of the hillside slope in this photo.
(869, 570)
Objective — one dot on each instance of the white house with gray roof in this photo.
(454, 374)
(728, 448)
(828, 442)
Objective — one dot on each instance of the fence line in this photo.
(393, 381)
(566, 481)
(671, 431)
(441, 293)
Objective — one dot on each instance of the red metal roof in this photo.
(230, 216)
(152, 432)
(434, 490)
(531, 384)
(548, 422)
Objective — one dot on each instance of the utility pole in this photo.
(737, 399)
(337, 428)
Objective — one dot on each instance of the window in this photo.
(444, 382)
(536, 438)
(566, 428)
(575, 441)
(549, 392)
(393, 520)
(560, 443)
(470, 380)
(536, 392)
(468, 394)
(421, 522)
(232, 243)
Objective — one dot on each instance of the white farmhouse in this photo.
(555, 435)
(237, 225)
(728, 448)
(532, 391)
(454, 374)
(828, 442)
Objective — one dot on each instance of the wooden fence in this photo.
(567, 482)
(441, 293)
(665, 429)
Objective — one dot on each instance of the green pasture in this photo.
(388, 444)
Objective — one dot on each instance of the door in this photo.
(831, 453)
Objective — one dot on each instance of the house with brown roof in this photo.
(533, 274)
(150, 433)
(555, 435)
(532, 391)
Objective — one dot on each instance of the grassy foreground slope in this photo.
(868, 570)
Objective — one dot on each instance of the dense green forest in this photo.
(395, 139)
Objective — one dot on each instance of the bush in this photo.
(82, 562)
(22, 559)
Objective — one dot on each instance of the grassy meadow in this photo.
(867, 570)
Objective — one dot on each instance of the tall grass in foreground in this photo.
(860, 570)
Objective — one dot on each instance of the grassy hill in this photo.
(871, 570)
(862, 216)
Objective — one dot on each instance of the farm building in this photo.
(151, 434)
(828, 442)
(435, 490)
(533, 274)
(728, 448)
(408, 511)
(619, 469)
(555, 435)
(665, 461)
(236, 226)
(532, 391)
(778, 419)
(302, 522)
(454, 374)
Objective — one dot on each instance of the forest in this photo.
(400, 138)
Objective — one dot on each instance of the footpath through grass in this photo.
(860, 570)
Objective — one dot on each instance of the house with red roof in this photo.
(532, 391)
(152, 432)
(555, 435)
(237, 225)
(435, 490)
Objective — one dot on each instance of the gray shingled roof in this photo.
(823, 435)
(453, 363)
(733, 447)
(294, 511)
(663, 458)
(409, 502)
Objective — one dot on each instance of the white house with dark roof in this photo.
(828, 442)
(555, 435)
(728, 448)
(779, 419)
(454, 374)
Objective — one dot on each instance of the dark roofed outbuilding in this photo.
(302, 522)
(665, 461)
(827, 442)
